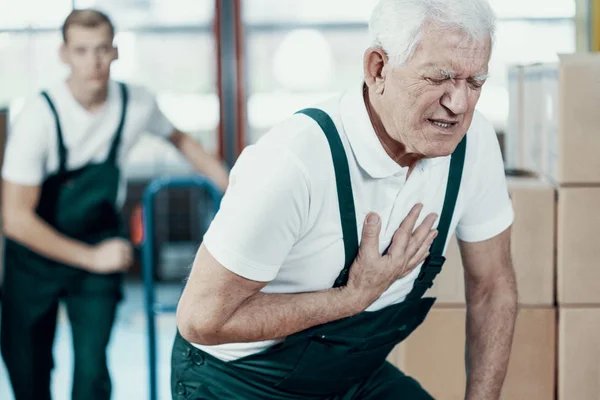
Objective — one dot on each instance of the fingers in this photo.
(423, 252)
(404, 232)
(128, 258)
(129, 250)
(124, 254)
(420, 235)
(369, 245)
(128, 255)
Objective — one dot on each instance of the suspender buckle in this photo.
(431, 267)
(435, 261)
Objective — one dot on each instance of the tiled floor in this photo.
(128, 351)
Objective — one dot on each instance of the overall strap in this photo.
(62, 150)
(114, 148)
(433, 264)
(344, 189)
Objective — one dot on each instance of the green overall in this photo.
(340, 360)
(80, 204)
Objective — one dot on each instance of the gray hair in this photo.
(396, 26)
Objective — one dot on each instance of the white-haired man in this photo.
(285, 302)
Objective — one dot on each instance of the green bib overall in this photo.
(341, 360)
(80, 204)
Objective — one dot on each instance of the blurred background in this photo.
(293, 53)
(228, 70)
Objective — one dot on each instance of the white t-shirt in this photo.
(279, 221)
(31, 153)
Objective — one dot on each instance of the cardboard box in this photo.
(578, 354)
(532, 248)
(434, 355)
(574, 145)
(578, 269)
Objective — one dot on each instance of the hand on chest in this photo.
(393, 198)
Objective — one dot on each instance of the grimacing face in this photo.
(89, 52)
(428, 103)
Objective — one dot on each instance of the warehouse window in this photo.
(299, 53)
(135, 14)
(28, 37)
(529, 31)
(168, 46)
(24, 14)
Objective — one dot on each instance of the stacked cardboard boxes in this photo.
(552, 132)
(532, 240)
(434, 354)
(578, 277)
(571, 88)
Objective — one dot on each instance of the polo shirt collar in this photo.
(368, 150)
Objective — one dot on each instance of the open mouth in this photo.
(442, 124)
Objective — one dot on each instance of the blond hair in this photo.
(87, 18)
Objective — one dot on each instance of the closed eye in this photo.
(436, 81)
(476, 84)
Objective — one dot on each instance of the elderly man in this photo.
(285, 302)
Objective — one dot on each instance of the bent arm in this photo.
(491, 294)
(218, 306)
(22, 224)
(203, 162)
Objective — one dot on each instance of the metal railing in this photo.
(152, 307)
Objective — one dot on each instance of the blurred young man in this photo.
(62, 192)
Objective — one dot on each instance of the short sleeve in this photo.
(488, 211)
(26, 149)
(262, 214)
(158, 124)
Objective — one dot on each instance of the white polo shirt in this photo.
(279, 221)
(31, 153)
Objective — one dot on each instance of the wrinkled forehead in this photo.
(79, 35)
(452, 52)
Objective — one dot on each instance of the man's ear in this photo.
(116, 53)
(375, 63)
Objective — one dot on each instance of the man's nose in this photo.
(456, 98)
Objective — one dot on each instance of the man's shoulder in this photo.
(300, 133)
(136, 93)
(300, 138)
(34, 107)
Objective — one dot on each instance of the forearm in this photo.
(203, 162)
(271, 316)
(37, 235)
(490, 326)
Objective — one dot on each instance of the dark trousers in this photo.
(28, 323)
(195, 375)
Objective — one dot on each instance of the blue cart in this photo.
(152, 307)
